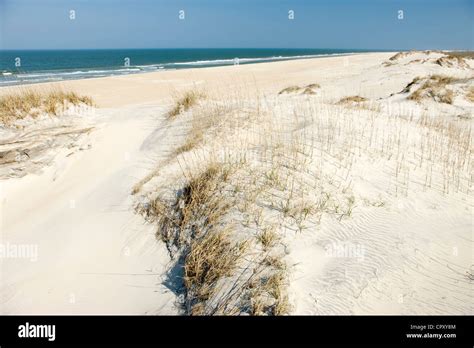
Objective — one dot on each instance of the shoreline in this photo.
(95, 86)
(116, 71)
(58, 74)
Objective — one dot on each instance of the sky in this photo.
(357, 24)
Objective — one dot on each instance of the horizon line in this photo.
(212, 48)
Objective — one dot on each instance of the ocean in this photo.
(34, 66)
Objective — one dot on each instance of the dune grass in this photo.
(470, 94)
(400, 55)
(267, 237)
(309, 89)
(352, 99)
(184, 102)
(463, 54)
(199, 201)
(29, 103)
(433, 87)
(193, 227)
(210, 259)
(453, 60)
(290, 89)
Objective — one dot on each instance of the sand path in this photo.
(94, 254)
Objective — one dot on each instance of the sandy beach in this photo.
(336, 185)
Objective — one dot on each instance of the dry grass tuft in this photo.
(184, 102)
(398, 55)
(274, 262)
(434, 87)
(204, 120)
(30, 103)
(210, 259)
(470, 94)
(464, 54)
(351, 100)
(267, 237)
(196, 209)
(269, 296)
(276, 287)
(309, 89)
(193, 227)
(193, 139)
(291, 89)
(452, 61)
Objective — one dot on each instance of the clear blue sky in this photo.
(427, 24)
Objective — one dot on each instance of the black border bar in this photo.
(287, 330)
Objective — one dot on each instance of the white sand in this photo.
(95, 255)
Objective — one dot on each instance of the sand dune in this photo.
(301, 200)
(94, 254)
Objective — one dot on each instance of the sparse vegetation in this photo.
(267, 237)
(399, 55)
(433, 87)
(463, 54)
(452, 60)
(352, 99)
(184, 102)
(247, 182)
(193, 139)
(470, 94)
(29, 103)
(448, 59)
(291, 89)
(211, 258)
(309, 89)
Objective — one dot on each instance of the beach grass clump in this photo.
(290, 89)
(29, 103)
(197, 208)
(195, 136)
(193, 139)
(452, 61)
(470, 94)
(194, 228)
(433, 87)
(353, 99)
(184, 102)
(398, 56)
(268, 295)
(210, 259)
(313, 86)
(463, 54)
(276, 286)
(267, 237)
(309, 89)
